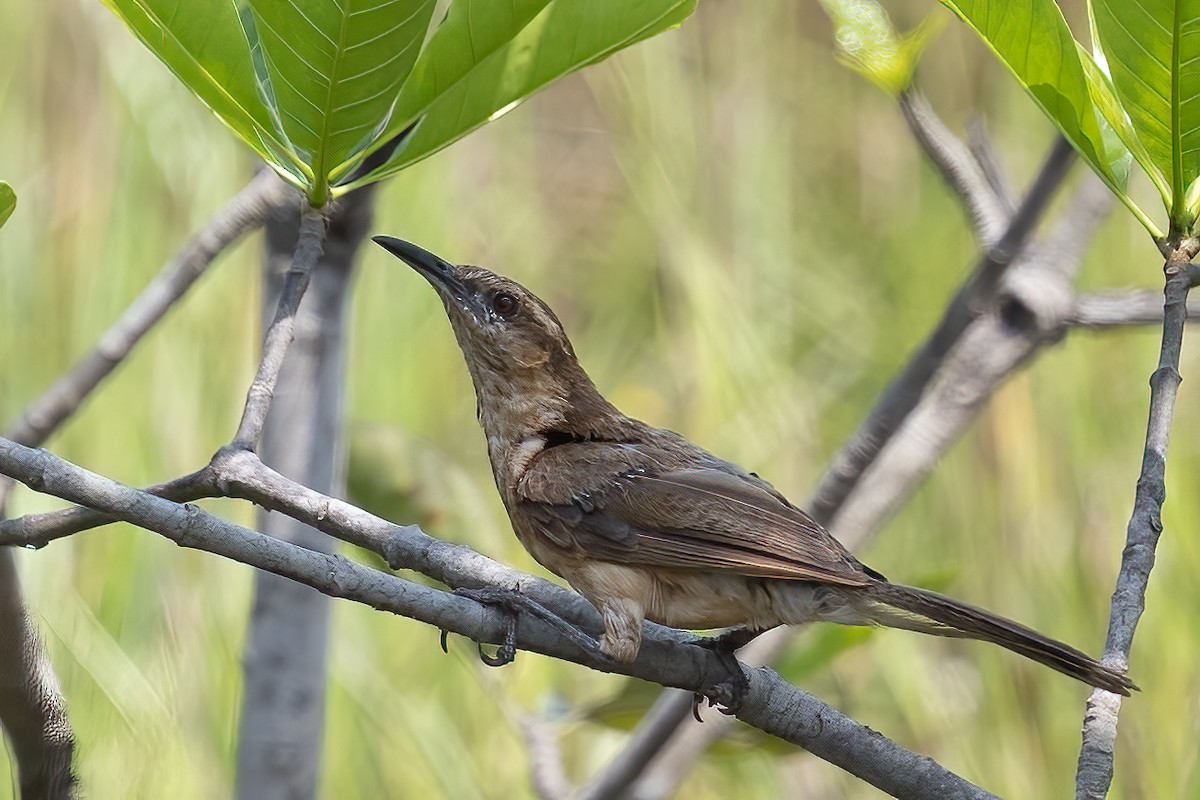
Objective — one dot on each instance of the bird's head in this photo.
(499, 323)
(519, 356)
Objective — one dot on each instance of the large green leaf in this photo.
(1152, 50)
(461, 86)
(202, 42)
(8, 202)
(327, 90)
(332, 71)
(1033, 40)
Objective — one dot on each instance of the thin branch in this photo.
(980, 145)
(905, 390)
(32, 709)
(281, 331)
(667, 656)
(678, 742)
(1125, 307)
(1094, 773)
(243, 213)
(284, 682)
(654, 731)
(545, 759)
(988, 211)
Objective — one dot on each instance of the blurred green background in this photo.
(745, 244)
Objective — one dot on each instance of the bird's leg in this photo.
(511, 603)
(733, 639)
(726, 695)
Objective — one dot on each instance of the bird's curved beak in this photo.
(439, 272)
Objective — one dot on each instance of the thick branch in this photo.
(905, 390)
(1094, 773)
(281, 331)
(667, 657)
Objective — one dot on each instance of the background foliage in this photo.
(744, 242)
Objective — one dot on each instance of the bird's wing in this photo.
(702, 518)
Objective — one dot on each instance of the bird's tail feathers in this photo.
(928, 612)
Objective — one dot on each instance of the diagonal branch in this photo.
(31, 706)
(1094, 773)
(969, 172)
(244, 212)
(281, 332)
(667, 656)
(905, 390)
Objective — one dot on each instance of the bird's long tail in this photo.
(928, 612)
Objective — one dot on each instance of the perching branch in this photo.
(905, 390)
(282, 329)
(667, 656)
(1094, 773)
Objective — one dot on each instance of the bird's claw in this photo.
(506, 653)
(726, 695)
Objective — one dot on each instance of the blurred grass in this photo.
(745, 244)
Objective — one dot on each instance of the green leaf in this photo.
(1152, 49)
(332, 71)
(868, 44)
(321, 87)
(8, 202)
(1032, 39)
(202, 42)
(457, 87)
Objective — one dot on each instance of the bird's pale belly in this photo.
(704, 600)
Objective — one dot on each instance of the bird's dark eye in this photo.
(504, 304)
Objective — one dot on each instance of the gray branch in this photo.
(667, 657)
(982, 338)
(968, 173)
(243, 213)
(31, 705)
(1121, 308)
(281, 331)
(284, 663)
(545, 759)
(903, 393)
(1094, 773)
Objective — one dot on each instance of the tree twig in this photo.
(988, 211)
(31, 705)
(1094, 773)
(281, 726)
(545, 759)
(244, 212)
(667, 657)
(980, 145)
(906, 389)
(282, 329)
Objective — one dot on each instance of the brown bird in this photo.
(645, 524)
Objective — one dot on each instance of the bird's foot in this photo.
(726, 695)
(512, 603)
